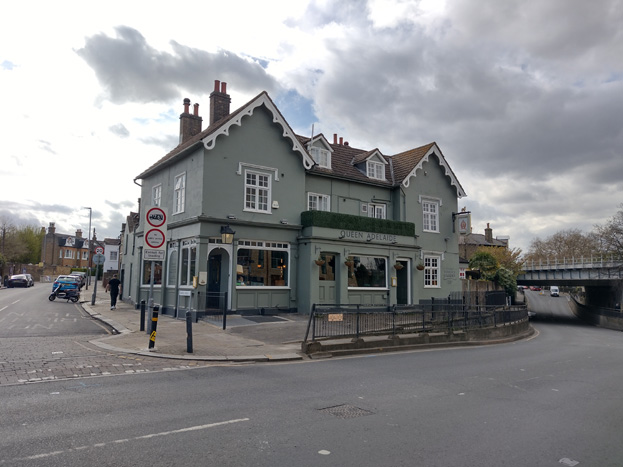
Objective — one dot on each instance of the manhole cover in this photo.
(346, 411)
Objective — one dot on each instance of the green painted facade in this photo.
(276, 259)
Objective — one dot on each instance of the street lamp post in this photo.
(89, 252)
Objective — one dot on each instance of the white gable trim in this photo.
(319, 139)
(377, 157)
(210, 140)
(442, 161)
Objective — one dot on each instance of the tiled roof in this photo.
(345, 159)
(480, 239)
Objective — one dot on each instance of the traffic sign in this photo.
(155, 235)
(99, 250)
(156, 217)
(99, 258)
(155, 239)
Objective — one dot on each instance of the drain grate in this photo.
(346, 411)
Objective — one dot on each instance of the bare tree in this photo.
(566, 244)
(611, 234)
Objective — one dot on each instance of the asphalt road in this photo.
(549, 401)
(45, 341)
(27, 312)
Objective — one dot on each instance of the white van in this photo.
(553, 291)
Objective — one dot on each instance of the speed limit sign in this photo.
(99, 250)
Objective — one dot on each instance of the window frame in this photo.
(428, 217)
(267, 264)
(156, 195)
(352, 272)
(147, 269)
(432, 277)
(320, 200)
(373, 208)
(257, 191)
(375, 170)
(321, 156)
(179, 193)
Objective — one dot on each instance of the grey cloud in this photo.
(120, 130)
(130, 70)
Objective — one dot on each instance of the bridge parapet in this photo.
(573, 263)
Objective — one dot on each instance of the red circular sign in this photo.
(154, 238)
(156, 217)
(99, 250)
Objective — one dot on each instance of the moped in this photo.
(67, 294)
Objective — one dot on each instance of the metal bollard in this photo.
(142, 315)
(154, 325)
(189, 332)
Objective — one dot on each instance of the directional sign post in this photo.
(155, 245)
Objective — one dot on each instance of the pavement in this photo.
(274, 338)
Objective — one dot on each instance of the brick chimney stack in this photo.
(489, 234)
(51, 229)
(219, 102)
(190, 124)
(79, 233)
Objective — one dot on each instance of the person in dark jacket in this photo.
(113, 287)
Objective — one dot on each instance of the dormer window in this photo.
(375, 170)
(322, 157)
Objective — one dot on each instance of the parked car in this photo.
(82, 277)
(66, 282)
(19, 280)
(31, 282)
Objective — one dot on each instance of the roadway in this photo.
(550, 400)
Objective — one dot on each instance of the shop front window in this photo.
(147, 272)
(262, 266)
(367, 271)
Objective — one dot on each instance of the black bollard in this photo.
(154, 325)
(189, 332)
(142, 315)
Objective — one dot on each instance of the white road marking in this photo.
(118, 441)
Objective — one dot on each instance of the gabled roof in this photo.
(222, 127)
(322, 139)
(366, 156)
(407, 163)
(342, 166)
(398, 170)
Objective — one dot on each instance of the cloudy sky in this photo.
(525, 99)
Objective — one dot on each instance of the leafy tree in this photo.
(20, 244)
(506, 258)
(484, 262)
(507, 279)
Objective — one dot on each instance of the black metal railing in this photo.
(343, 321)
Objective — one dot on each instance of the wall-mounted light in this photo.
(231, 216)
(284, 221)
(227, 234)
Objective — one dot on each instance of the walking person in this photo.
(113, 287)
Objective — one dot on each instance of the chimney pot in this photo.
(190, 125)
(341, 140)
(334, 138)
(219, 102)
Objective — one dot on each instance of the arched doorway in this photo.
(219, 280)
